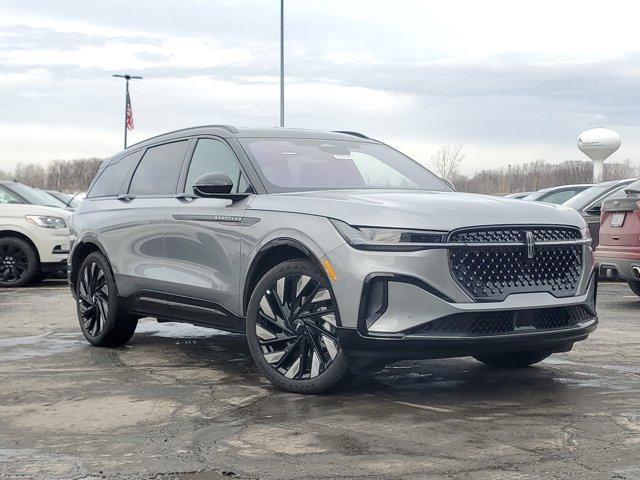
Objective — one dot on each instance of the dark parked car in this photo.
(331, 251)
(618, 254)
(557, 195)
(518, 196)
(70, 200)
(589, 203)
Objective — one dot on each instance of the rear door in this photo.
(135, 240)
(203, 240)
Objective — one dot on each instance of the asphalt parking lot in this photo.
(187, 403)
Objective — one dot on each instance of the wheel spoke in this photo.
(319, 313)
(303, 349)
(274, 321)
(317, 351)
(287, 352)
(307, 300)
(321, 331)
(294, 369)
(288, 338)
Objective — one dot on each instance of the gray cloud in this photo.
(504, 99)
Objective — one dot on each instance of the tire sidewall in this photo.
(32, 262)
(338, 368)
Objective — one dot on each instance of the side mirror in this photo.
(595, 210)
(212, 184)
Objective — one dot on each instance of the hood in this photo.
(27, 209)
(418, 209)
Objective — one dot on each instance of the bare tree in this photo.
(539, 174)
(446, 161)
(63, 175)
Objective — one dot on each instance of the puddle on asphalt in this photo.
(21, 348)
(177, 330)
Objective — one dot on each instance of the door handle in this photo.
(125, 197)
(186, 197)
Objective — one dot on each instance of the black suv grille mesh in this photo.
(493, 323)
(489, 273)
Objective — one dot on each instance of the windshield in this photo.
(34, 196)
(316, 164)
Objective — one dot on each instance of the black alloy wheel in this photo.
(291, 328)
(18, 262)
(296, 329)
(93, 299)
(103, 320)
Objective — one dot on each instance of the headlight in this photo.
(374, 238)
(46, 222)
(585, 233)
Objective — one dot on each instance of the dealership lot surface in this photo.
(185, 402)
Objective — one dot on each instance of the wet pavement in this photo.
(181, 402)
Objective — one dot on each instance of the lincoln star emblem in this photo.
(530, 245)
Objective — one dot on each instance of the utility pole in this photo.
(282, 63)
(127, 77)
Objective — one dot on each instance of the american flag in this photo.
(129, 121)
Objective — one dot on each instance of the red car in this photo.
(618, 254)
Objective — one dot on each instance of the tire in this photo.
(291, 320)
(102, 320)
(512, 360)
(634, 285)
(18, 262)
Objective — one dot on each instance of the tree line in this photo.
(63, 175)
(526, 177)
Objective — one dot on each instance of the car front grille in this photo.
(498, 261)
(495, 323)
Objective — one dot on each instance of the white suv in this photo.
(34, 234)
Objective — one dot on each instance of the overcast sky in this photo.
(512, 81)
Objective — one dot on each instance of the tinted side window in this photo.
(559, 197)
(7, 197)
(215, 156)
(110, 179)
(158, 171)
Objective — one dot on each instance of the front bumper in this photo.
(396, 307)
(357, 344)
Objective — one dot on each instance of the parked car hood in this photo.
(22, 209)
(417, 209)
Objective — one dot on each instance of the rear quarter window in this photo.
(111, 177)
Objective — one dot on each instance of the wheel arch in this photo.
(7, 232)
(80, 251)
(272, 253)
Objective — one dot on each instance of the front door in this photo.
(202, 242)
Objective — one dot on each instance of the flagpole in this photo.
(126, 104)
(127, 77)
(282, 63)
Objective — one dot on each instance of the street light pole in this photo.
(127, 77)
(282, 63)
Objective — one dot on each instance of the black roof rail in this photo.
(354, 134)
(230, 128)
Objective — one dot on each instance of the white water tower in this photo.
(597, 144)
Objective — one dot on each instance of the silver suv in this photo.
(332, 251)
